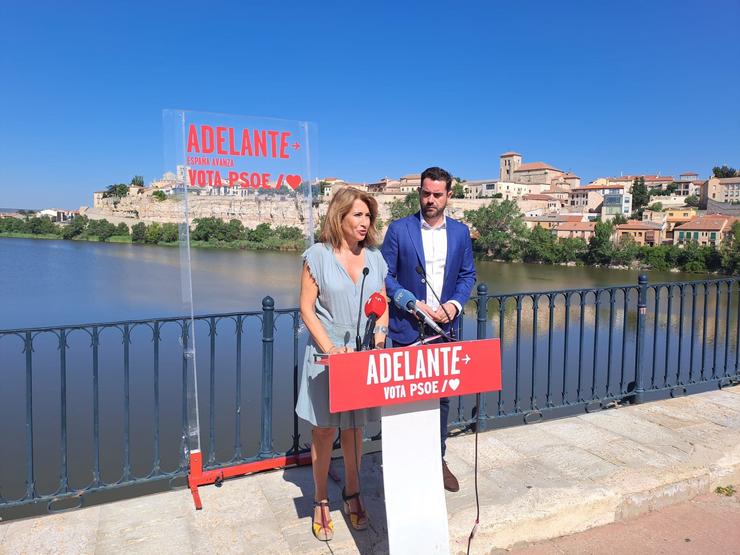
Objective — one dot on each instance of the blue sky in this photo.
(593, 87)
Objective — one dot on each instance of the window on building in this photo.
(696, 235)
(680, 235)
(713, 236)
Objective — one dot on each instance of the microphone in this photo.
(358, 339)
(405, 300)
(425, 281)
(375, 307)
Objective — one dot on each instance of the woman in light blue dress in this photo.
(331, 287)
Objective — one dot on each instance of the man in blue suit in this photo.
(430, 247)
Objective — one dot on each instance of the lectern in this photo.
(406, 383)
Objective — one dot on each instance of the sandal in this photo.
(358, 519)
(324, 529)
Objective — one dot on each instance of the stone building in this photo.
(711, 229)
(721, 189)
(643, 233)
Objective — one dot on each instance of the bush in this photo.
(138, 232)
(402, 208)
(159, 195)
(12, 225)
(260, 233)
(75, 228)
(153, 234)
(291, 233)
(41, 226)
(208, 229)
(102, 229)
(170, 233)
(116, 191)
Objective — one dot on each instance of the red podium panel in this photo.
(406, 374)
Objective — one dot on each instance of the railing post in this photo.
(482, 319)
(268, 339)
(482, 310)
(640, 338)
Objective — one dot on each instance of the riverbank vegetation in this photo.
(501, 234)
(206, 232)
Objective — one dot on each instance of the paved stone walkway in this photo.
(709, 523)
(536, 482)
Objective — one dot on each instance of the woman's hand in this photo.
(339, 349)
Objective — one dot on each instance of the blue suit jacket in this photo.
(403, 251)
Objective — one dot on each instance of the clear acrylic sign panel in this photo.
(230, 167)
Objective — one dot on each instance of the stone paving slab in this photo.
(536, 482)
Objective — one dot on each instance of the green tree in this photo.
(289, 233)
(259, 234)
(170, 233)
(541, 246)
(41, 226)
(724, 171)
(400, 208)
(571, 249)
(692, 200)
(75, 228)
(208, 229)
(153, 234)
(639, 193)
(159, 195)
(600, 247)
(138, 232)
(234, 231)
(501, 228)
(656, 207)
(458, 191)
(625, 251)
(659, 257)
(12, 225)
(102, 229)
(122, 230)
(692, 258)
(119, 190)
(619, 219)
(730, 251)
(137, 181)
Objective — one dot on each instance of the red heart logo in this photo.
(293, 180)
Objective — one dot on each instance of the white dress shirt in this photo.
(434, 241)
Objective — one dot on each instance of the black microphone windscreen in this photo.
(420, 270)
(365, 271)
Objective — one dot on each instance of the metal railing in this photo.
(86, 409)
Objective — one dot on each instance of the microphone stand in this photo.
(476, 526)
(420, 271)
(358, 339)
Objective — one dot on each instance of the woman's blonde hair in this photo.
(340, 205)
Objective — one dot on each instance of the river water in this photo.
(45, 283)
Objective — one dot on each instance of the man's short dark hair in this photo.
(437, 174)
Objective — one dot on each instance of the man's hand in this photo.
(425, 307)
(441, 316)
